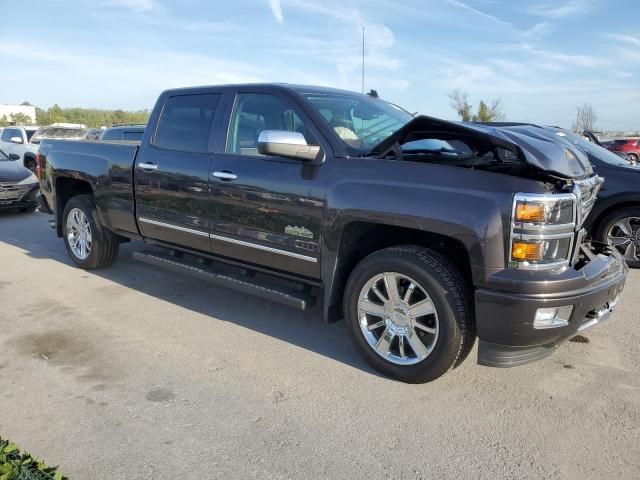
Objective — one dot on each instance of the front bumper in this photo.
(18, 196)
(504, 319)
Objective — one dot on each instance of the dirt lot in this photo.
(129, 373)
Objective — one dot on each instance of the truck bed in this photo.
(107, 167)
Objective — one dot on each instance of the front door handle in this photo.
(147, 166)
(225, 175)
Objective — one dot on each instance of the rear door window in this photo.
(186, 121)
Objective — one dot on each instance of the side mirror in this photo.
(14, 156)
(282, 143)
(15, 139)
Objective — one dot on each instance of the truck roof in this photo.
(282, 86)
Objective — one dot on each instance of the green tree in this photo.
(20, 119)
(487, 111)
(460, 103)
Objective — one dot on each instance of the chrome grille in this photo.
(10, 193)
(587, 193)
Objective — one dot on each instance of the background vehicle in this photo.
(15, 142)
(628, 146)
(127, 133)
(615, 218)
(422, 233)
(21, 143)
(18, 186)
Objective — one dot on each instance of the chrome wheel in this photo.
(397, 318)
(625, 236)
(79, 233)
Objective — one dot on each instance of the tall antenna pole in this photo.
(363, 60)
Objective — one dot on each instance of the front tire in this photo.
(88, 243)
(621, 229)
(409, 313)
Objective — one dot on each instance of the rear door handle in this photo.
(225, 175)
(148, 166)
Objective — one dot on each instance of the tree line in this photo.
(91, 117)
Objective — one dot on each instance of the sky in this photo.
(542, 58)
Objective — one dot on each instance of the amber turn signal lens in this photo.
(530, 212)
(526, 251)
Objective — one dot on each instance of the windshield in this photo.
(597, 151)
(361, 122)
(59, 133)
(30, 134)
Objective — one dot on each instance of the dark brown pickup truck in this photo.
(423, 234)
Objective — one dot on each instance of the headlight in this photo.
(542, 230)
(30, 179)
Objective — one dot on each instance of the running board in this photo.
(244, 281)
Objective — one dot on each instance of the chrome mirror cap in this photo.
(282, 143)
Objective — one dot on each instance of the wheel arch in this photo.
(359, 239)
(28, 158)
(607, 207)
(66, 188)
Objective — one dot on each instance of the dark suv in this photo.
(125, 133)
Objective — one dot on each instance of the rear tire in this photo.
(88, 243)
(616, 227)
(447, 333)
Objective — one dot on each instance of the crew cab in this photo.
(423, 234)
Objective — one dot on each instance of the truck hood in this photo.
(540, 151)
(13, 172)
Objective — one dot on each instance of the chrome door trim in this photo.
(174, 227)
(265, 248)
(230, 240)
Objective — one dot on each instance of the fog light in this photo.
(527, 251)
(552, 317)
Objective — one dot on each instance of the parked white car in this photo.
(16, 143)
(22, 143)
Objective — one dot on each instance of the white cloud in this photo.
(276, 9)
(479, 13)
(538, 30)
(135, 5)
(569, 8)
(628, 39)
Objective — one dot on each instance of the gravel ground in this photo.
(129, 373)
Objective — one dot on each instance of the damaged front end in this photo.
(431, 140)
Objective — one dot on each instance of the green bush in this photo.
(22, 466)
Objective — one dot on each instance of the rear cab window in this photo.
(132, 136)
(113, 134)
(186, 121)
